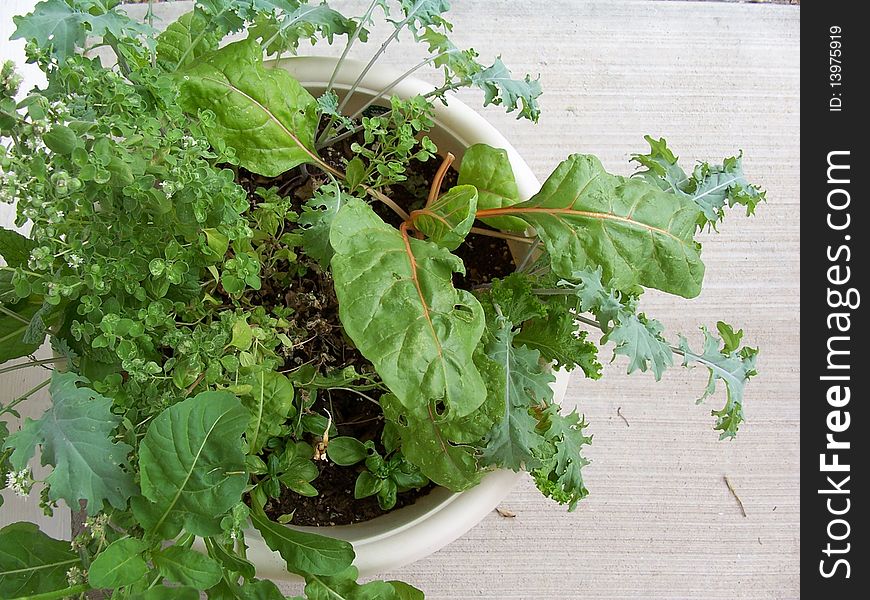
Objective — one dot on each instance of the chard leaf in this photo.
(711, 187)
(121, 563)
(192, 465)
(187, 567)
(186, 39)
(343, 586)
(398, 305)
(405, 591)
(489, 170)
(499, 87)
(264, 114)
(305, 553)
(637, 233)
(732, 366)
(16, 333)
(473, 428)
(270, 404)
(31, 562)
(561, 478)
(316, 221)
(15, 248)
(76, 438)
(426, 444)
(513, 442)
(449, 219)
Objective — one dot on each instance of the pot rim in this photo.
(405, 535)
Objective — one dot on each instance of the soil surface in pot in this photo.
(313, 299)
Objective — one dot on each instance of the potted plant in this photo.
(274, 298)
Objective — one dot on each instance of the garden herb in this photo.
(181, 406)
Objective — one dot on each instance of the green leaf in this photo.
(405, 591)
(15, 248)
(304, 22)
(61, 139)
(346, 451)
(637, 233)
(561, 478)
(423, 13)
(271, 404)
(398, 304)
(473, 428)
(500, 88)
(14, 329)
(640, 339)
(343, 586)
(121, 563)
(53, 23)
(264, 114)
(489, 170)
(57, 24)
(230, 560)
(165, 592)
(305, 553)
(426, 444)
(449, 218)
(636, 336)
(733, 367)
(31, 562)
(187, 567)
(76, 434)
(558, 340)
(711, 187)
(243, 335)
(192, 464)
(513, 442)
(316, 221)
(186, 39)
(367, 485)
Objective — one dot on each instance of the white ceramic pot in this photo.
(413, 532)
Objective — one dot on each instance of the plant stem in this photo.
(502, 235)
(14, 315)
(370, 64)
(439, 178)
(59, 594)
(23, 397)
(350, 42)
(527, 259)
(397, 81)
(32, 363)
(150, 17)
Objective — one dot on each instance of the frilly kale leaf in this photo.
(76, 438)
(496, 81)
(63, 28)
(712, 187)
(561, 477)
(514, 442)
(731, 365)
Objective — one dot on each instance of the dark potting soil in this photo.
(315, 306)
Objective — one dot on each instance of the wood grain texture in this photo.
(659, 522)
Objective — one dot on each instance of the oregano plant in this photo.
(247, 284)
